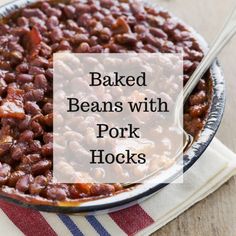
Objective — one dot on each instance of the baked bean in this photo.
(35, 145)
(4, 28)
(17, 152)
(34, 70)
(41, 167)
(14, 177)
(96, 49)
(40, 82)
(56, 193)
(36, 128)
(22, 21)
(52, 22)
(158, 33)
(45, 50)
(48, 119)
(24, 182)
(39, 183)
(102, 189)
(24, 124)
(56, 35)
(5, 171)
(48, 108)
(105, 34)
(47, 149)
(126, 39)
(24, 78)
(39, 62)
(83, 48)
(64, 46)
(31, 158)
(22, 68)
(32, 108)
(10, 77)
(53, 12)
(36, 95)
(69, 11)
(38, 23)
(48, 138)
(26, 136)
(33, 12)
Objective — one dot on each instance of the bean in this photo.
(32, 108)
(5, 171)
(84, 47)
(84, 19)
(158, 33)
(33, 12)
(22, 21)
(35, 145)
(56, 35)
(47, 149)
(31, 159)
(126, 39)
(26, 136)
(34, 70)
(36, 95)
(4, 28)
(109, 21)
(48, 138)
(17, 152)
(105, 34)
(64, 46)
(14, 177)
(39, 183)
(102, 189)
(36, 128)
(41, 167)
(48, 108)
(96, 49)
(80, 38)
(82, 8)
(24, 78)
(53, 12)
(107, 3)
(22, 68)
(56, 193)
(24, 182)
(10, 77)
(39, 62)
(52, 22)
(69, 11)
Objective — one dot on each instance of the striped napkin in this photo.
(215, 167)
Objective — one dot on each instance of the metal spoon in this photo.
(220, 42)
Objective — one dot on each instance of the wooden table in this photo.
(215, 215)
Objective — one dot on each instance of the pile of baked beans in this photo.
(28, 39)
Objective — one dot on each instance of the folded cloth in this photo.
(214, 168)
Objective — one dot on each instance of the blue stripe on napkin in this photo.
(97, 226)
(70, 225)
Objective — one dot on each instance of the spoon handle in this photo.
(223, 38)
